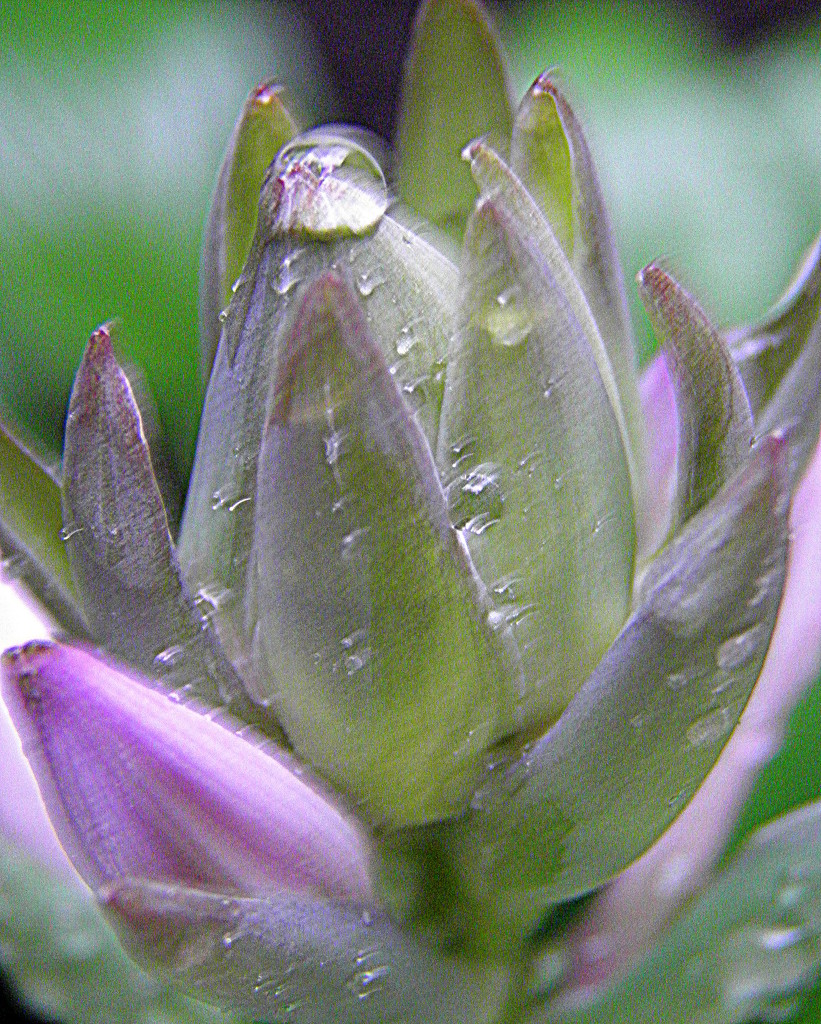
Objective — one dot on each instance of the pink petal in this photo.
(137, 784)
(659, 411)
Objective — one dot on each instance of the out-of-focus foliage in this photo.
(112, 125)
(716, 152)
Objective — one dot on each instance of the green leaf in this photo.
(408, 288)
(550, 154)
(294, 956)
(263, 127)
(455, 89)
(370, 616)
(747, 947)
(537, 476)
(64, 961)
(31, 524)
(656, 711)
(715, 424)
(118, 542)
(780, 362)
(494, 177)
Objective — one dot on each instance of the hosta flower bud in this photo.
(483, 651)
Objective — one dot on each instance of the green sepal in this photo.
(118, 542)
(746, 948)
(495, 178)
(715, 424)
(371, 631)
(550, 155)
(537, 476)
(455, 88)
(296, 956)
(655, 712)
(408, 288)
(31, 524)
(780, 363)
(263, 127)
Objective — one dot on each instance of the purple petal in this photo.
(623, 920)
(659, 409)
(137, 784)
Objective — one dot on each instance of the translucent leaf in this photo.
(455, 89)
(531, 452)
(715, 425)
(292, 956)
(780, 362)
(264, 125)
(656, 711)
(31, 524)
(745, 949)
(117, 537)
(549, 153)
(496, 179)
(370, 617)
(64, 962)
(137, 783)
(408, 288)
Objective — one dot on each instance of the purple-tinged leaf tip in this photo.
(137, 784)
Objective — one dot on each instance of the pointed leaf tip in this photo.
(715, 423)
(455, 88)
(550, 154)
(264, 125)
(118, 540)
(138, 784)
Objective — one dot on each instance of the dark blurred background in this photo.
(705, 119)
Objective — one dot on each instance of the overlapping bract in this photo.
(416, 558)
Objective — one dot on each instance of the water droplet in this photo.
(325, 186)
(367, 282)
(778, 938)
(365, 954)
(335, 446)
(509, 614)
(223, 315)
(170, 657)
(506, 587)
(352, 542)
(558, 483)
(739, 648)
(676, 680)
(478, 524)
(416, 390)
(289, 272)
(764, 586)
(710, 728)
(407, 338)
(508, 320)
(551, 384)
(475, 498)
(356, 661)
(365, 984)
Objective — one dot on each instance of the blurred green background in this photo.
(113, 119)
